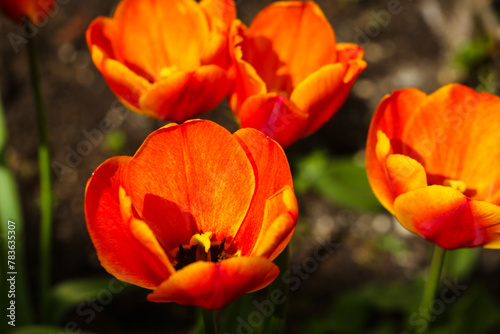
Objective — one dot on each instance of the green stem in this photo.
(432, 283)
(209, 319)
(45, 184)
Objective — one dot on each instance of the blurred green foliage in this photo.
(392, 307)
(341, 180)
(393, 243)
(115, 141)
(373, 308)
(68, 294)
(473, 52)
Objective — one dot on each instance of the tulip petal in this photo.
(220, 15)
(272, 173)
(191, 177)
(321, 94)
(99, 37)
(351, 55)
(446, 217)
(223, 10)
(155, 34)
(404, 174)
(489, 216)
(247, 82)
(383, 148)
(280, 34)
(142, 233)
(125, 248)
(275, 116)
(278, 224)
(126, 85)
(392, 115)
(458, 135)
(214, 285)
(182, 95)
(389, 119)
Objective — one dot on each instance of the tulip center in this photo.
(202, 248)
(455, 184)
(203, 243)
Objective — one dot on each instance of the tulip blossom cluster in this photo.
(285, 75)
(198, 214)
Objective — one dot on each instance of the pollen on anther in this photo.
(455, 184)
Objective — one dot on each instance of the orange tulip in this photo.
(165, 59)
(433, 162)
(291, 76)
(197, 214)
(35, 10)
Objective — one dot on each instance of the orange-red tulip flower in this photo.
(165, 59)
(197, 214)
(35, 10)
(433, 162)
(290, 74)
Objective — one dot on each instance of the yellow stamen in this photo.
(167, 71)
(456, 184)
(202, 239)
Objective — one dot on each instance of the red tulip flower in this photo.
(433, 162)
(290, 74)
(165, 59)
(35, 10)
(197, 214)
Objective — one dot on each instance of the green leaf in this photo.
(68, 294)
